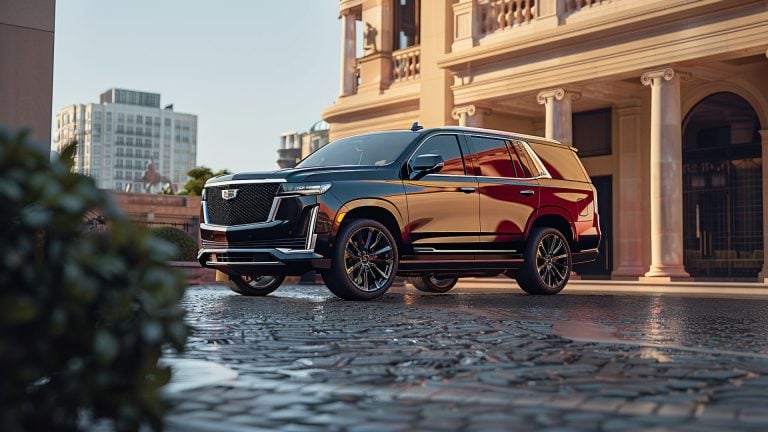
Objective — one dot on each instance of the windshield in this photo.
(375, 149)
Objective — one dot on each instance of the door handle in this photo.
(527, 192)
(467, 189)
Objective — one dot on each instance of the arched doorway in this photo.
(722, 188)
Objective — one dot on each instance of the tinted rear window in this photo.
(562, 163)
(374, 149)
(493, 157)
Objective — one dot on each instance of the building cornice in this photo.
(361, 103)
(654, 15)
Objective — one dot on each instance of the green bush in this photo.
(186, 246)
(83, 315)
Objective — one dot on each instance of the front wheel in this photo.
(364, 261)
(433, 284)
(547, 264)
(260, 285)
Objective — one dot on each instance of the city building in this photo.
(128, 143)
(26, 68)
(667, 102)
(295, 146)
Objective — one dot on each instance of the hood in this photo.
(295, 175)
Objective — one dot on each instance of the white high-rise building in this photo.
(122, 135)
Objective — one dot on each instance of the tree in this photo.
(198, 177)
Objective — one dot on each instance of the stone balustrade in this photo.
(406, 64)
(475, 20)
(498, 15)
(577, 5)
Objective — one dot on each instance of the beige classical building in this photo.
(26, 66)
(666, 100)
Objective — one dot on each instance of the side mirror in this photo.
(426, 164)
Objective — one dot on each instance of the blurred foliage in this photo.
(186, 246)
(83, 315)
(198, 177)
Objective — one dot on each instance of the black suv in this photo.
(431, 204)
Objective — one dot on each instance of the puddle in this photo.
(191, 374)
(585, 332)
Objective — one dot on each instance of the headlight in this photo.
(303, 188)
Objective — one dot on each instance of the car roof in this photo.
(506, 134)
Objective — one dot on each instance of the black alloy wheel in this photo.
(364, 262)
(255, 285)
(432, 284)
(548, 262)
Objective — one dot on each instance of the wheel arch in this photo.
(379, 210)
(555, 217)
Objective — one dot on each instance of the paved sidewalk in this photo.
(576, 286)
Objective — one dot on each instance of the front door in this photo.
(443, 208)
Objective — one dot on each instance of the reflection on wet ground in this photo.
(578, 362)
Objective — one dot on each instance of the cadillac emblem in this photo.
(229, 194)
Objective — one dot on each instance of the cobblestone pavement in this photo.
(410, 361)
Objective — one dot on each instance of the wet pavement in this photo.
(308, 361)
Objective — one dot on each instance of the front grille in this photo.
(251, 204)
(284, 243)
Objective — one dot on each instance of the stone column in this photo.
(629, 232)
(348, 56)
(666, 175)
(559, 124)
(470, 115)
(763, 275)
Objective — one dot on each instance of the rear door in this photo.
(509, 194)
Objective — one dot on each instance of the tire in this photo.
(255, 285)
(431, 284)
(364, 262)
(547, 264)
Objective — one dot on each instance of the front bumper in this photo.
(290, 242)
(262, 261)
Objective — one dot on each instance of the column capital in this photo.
(459, 111)
(557, 94)
(468, 110)
(764, 135)
(666, 74)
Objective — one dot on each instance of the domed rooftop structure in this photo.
(320, 126)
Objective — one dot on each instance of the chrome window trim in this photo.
(229, 182)
(543, 172)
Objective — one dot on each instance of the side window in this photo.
(561, 162)
(446, 146)
(493, 157)
(526, 165)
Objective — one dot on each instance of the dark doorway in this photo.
(603, 266)
(722, 189)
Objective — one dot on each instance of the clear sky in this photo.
(249, 69)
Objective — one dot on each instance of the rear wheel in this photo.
(364, 261)
(548, 261)
(255, 285)
(433, 284)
